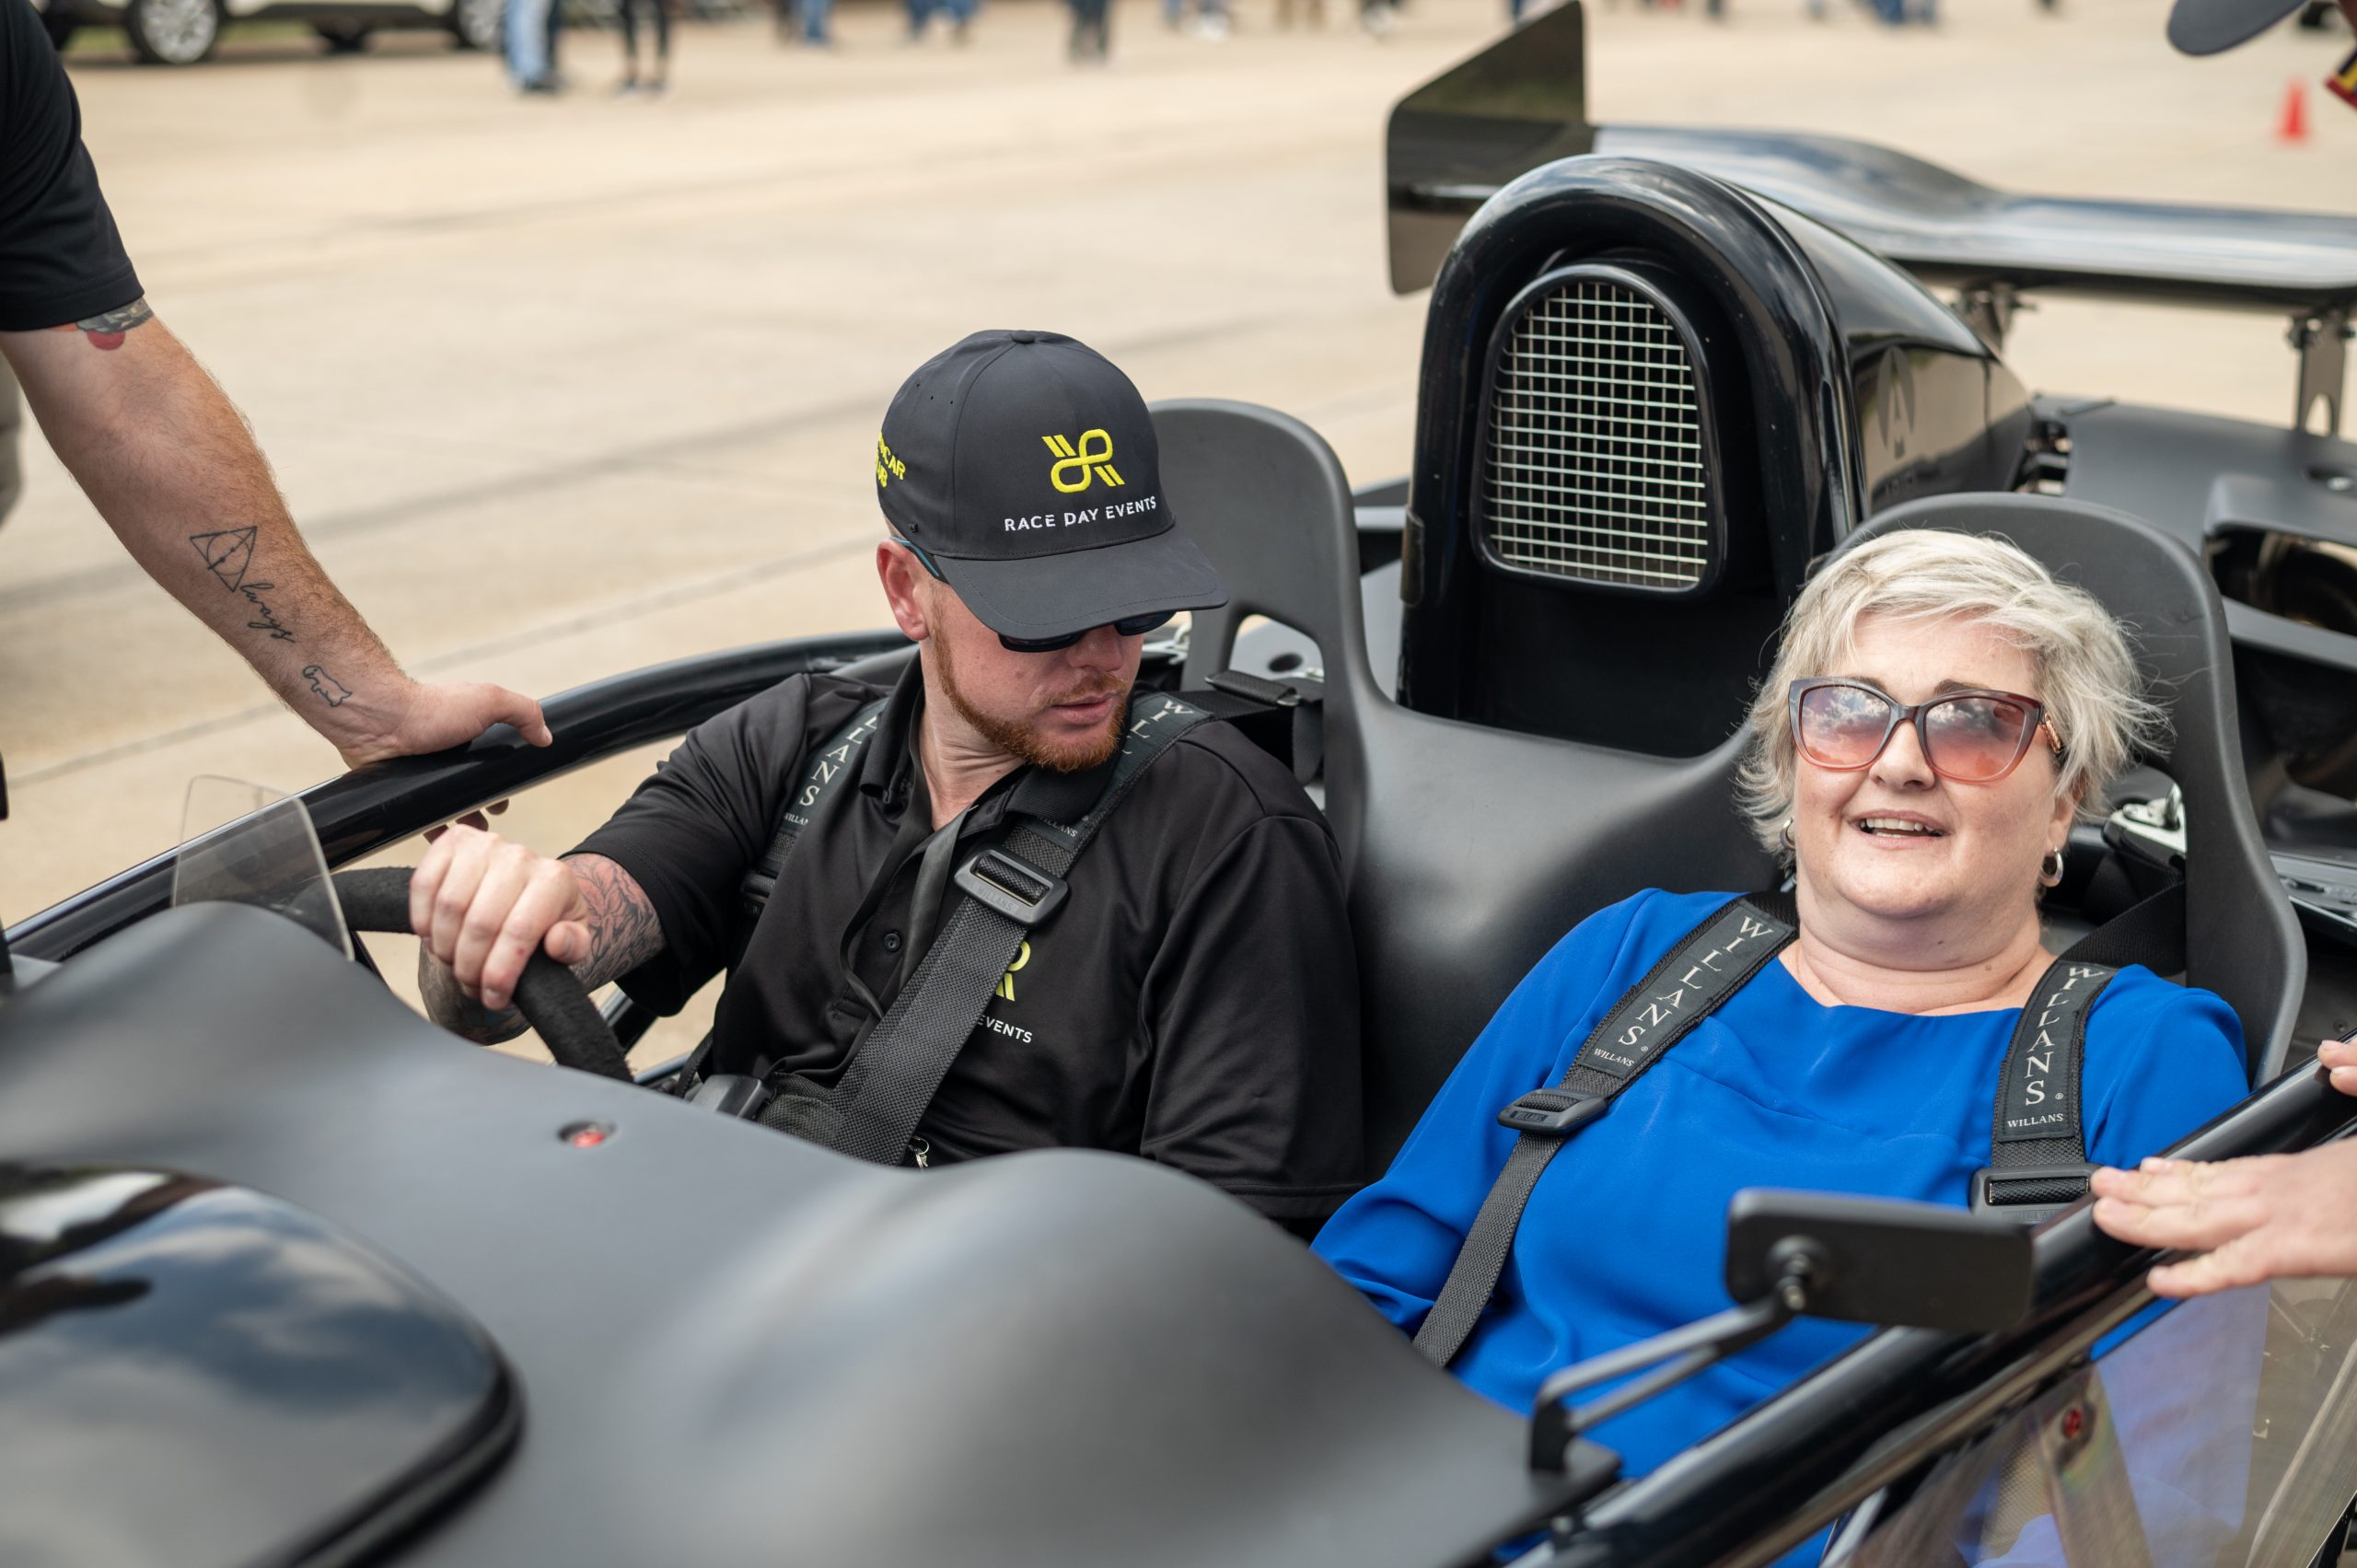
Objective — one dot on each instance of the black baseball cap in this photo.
(1024, 465)
(2212, 27)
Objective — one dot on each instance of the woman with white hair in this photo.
(1941, 709)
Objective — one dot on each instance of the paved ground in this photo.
(560, 389)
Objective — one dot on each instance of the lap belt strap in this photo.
(829, 765)
(873, 1110)
(1711, 964)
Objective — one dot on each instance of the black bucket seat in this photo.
(1470, 851)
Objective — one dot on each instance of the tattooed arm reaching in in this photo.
(481, 906)
(169, 461)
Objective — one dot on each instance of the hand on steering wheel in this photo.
(550, 995)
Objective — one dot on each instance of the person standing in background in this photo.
(961, 14)
(529, 30)
(660, 83)
(1092, 31)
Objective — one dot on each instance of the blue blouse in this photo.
(1625, 1235)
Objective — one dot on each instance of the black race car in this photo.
(288, 1275)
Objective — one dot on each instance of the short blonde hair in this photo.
(2086, 677)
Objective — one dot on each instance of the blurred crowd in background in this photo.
(534, 26)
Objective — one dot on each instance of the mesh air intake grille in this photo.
(1595, 468)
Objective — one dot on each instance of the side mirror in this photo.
(1877, 1260)
(1815, 1255)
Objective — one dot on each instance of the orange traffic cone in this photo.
(2293, 129)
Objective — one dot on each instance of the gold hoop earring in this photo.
(2050, 870)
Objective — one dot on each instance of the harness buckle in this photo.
(2024, 1193)
(1012, 886)
(1552, 1112)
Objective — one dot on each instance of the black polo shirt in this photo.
(60, 260)
(1195, 1001)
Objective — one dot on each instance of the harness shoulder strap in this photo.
(1281, 716)
(2037, 1141)
(1710, 964)
(873, 1110)
(2038, 1137)
(829, 766)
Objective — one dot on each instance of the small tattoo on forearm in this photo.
(229, 555)
(265, 619)
(108, 328)
(331, 691)
(226, 554)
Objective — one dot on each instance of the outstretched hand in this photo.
(435, 718)
(2276, 1217)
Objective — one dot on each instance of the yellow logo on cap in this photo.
(1093, 461)
(889, 467)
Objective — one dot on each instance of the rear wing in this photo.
(1456, 141)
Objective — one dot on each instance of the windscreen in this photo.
(249, 844)
(2217, 1432)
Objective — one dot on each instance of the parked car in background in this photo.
(181, 32)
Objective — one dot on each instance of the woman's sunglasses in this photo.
(1130, 626)
(1968, 737)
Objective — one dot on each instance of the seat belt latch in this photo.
(1552, 1112)
(1013, 886)
(2028, 1192)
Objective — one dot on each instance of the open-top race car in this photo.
(289, 1275)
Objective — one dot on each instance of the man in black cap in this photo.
(1012, 903)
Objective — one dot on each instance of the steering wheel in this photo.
(550, 995)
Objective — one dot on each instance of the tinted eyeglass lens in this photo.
(1842, 727)
(1975, 738)
(1135, 626)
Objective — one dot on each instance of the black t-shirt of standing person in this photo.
(1194, 1001)
(60, 260)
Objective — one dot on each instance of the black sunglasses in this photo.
(1129, 626)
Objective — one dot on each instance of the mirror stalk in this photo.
(1687, 1351)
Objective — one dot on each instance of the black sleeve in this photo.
(60, 260)
(1252, 1009)
(689, 834)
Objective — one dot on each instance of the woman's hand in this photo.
(2277, 1217)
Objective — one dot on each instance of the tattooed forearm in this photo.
(108, 328)
(456, 1011)
(623, 930)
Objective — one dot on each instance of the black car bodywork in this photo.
(698, 1340)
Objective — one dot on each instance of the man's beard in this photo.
(1021, 740)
